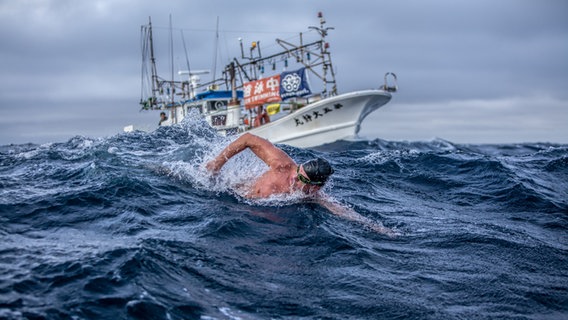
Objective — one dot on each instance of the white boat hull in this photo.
(335, 118)
(325, 121)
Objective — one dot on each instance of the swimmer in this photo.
(285, 176)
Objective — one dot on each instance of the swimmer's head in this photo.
(317, 172)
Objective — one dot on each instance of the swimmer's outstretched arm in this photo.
(263, 149)
(350, 214)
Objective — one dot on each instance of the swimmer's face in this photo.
(302, 182)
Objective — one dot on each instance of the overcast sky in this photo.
(482, 71)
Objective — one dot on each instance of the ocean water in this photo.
(132, 227)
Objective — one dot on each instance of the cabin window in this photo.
(217, 105)
(219, 120)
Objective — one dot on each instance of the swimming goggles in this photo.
(305, 179)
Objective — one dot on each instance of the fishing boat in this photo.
(281, 108)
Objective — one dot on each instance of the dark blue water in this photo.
(131, 227)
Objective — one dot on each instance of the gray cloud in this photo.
(466, 68)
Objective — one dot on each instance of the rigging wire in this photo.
(185, 50)
(215, 51)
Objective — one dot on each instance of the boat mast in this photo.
(172, 88)
(215, 51)
(185, 91)
(154, 80)
(325, 55)
(233, 83)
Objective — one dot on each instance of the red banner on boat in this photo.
(262, 91)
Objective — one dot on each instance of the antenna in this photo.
(215, 50)
(185, 49)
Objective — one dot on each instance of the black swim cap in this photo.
(318, 170)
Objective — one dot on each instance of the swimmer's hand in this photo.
(352, 215)
(214, 166)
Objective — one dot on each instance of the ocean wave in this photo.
(132, 226)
